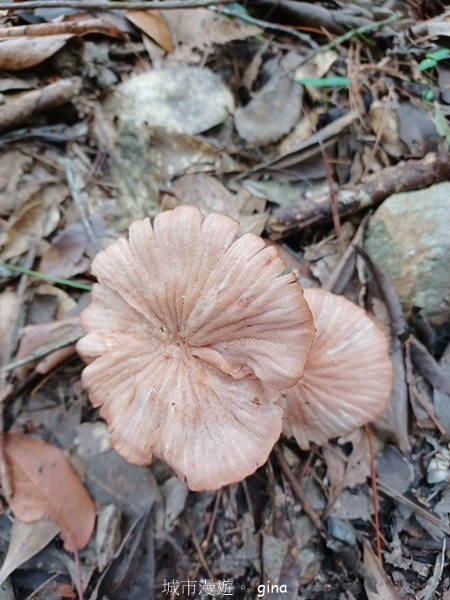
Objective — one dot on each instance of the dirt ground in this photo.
(321, 127)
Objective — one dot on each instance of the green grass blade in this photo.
(51, 278)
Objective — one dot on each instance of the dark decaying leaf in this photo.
(131, 574)
(428, 367)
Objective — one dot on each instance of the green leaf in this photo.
(432, 58)
(426, 63)
(439, 54)
(335, 81)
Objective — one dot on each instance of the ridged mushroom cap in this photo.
(183, 327)
(348, 375)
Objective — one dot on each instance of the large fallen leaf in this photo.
(272, 113)
(46, 487)
(23, 53)
(27, 539)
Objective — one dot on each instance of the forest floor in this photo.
(320, 126)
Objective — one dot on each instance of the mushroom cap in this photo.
(184, 328)
(348, 375)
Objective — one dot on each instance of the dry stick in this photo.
(380, 132)
(151, 5)
(298, 490)
(412, 175)
(205, 543)
(346, 37)
(79, 582)
(42, 587)
(376, 505)
(388, 491)
(229, 12)
(333, 198)
(331, 283)
(76, 197)
(201, 556)
(212, 521)
(304, 149)
(43, 351)
(44, 29)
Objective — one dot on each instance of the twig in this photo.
(298, 490)
(79, 582)
(205, 543)
(229, 12)
(376, 505)
(345, 261)
(70, 338)
(420, 510)
(369, 27)
(212, 521)
(103, 5)
(333, 198)
(76, 197)
(39, 589)
(411, 175)
(197, 546)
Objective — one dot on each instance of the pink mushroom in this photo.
(190, 336)
(348, 375)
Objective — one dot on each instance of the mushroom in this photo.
(348, 375)
(190, 337)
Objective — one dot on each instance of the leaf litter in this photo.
(233, 116)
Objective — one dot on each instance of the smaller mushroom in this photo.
(348, 374)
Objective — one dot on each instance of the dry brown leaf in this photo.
(46, 487)
(376, 582)
(154, 25)
(179, 153)
(13, 165)
(36, 336)
(22, 53)
(27, 539)
(66, 255)
(23, 107)
(36, 219)
(200, 27)
(204, 191)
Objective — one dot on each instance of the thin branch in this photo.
(76, 197)
(68, 339)
(298, 490)
(229, 12)
(114, 5)
(417, 508)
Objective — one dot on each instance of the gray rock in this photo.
(409, 238)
